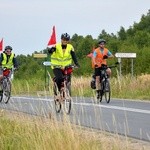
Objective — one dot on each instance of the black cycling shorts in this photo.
(98, 71)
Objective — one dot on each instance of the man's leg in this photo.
(59, 77)
(108, 72)
(98, 87)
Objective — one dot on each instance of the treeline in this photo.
(136, 39)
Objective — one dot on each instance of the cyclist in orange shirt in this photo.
(100, 55)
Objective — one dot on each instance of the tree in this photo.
(122, 34)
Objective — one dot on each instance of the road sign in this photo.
(39, 55)
(125, 55)
(47, 63)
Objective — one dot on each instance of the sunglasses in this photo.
(65, 40)
(101, 44)
(8, 51)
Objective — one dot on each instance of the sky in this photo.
(26, 25)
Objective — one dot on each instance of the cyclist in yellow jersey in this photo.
(62, 55)
(7, 60)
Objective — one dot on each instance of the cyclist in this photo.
(62, 54)
(100, 55)
(7, 60)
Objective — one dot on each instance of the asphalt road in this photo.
(129, 118)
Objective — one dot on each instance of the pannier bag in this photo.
(93, 82)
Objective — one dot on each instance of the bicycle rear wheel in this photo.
(107, 91)
(6, 91)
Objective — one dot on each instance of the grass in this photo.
(27, 132)
(24, 132)
(125, 87)
(132, 87)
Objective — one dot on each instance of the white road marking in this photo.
(97, 105)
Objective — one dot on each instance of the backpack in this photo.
(93, 82)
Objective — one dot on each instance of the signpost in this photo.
(126, 55)
(41, 55)
(47, 63)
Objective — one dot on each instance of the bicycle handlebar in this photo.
(66, 67)
(12, 69)
(112, 66)
(71, 66)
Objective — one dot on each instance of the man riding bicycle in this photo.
(100, 55)
(62, 55)
(7, 60)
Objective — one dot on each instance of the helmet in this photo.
(101, 40)
(65, 36)
(8, 47)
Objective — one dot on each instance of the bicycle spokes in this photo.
(67, 101)
(57, 105)
(6, 90)
(62, 99)
(105, 90)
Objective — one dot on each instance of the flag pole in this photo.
(51, 42)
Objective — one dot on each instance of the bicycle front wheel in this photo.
(1, 96)
(107, 92)
(57, 106)
(67, 99)
(1, 92)
(57, 98)
(6, 91)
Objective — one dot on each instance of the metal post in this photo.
(132, 67)
(45, 74)
(120, 72)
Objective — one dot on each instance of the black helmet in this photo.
(101, 40)
(65, 36)
(8, 47)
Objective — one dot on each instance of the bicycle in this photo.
(5, 86)
(63, 97)
(105, 84)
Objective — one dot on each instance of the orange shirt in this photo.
(99, 57)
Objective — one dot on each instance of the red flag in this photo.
(52, 40)
(1, 45)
